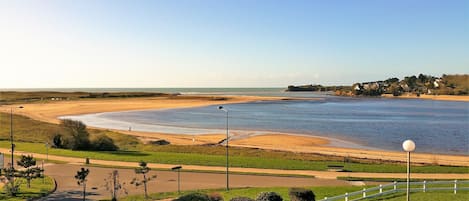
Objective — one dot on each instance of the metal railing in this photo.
(423, 186)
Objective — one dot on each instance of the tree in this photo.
(143, 169)
(81, 179)
(76, 135)
(30, 172)
(113, 185)
(13, 187)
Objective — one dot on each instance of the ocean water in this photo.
(380, 123)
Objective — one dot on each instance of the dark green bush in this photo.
(160, 142)
(215, 196)
(269, 196)
(193, 197)
(103, 143)
(301, 194)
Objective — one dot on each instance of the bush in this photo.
(193, 197)
(76, 136)
(241, 199)
(269, 196)
(215, 197)
(160, 142)
(104, 143)
(301, 194)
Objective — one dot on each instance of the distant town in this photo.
(421, 84)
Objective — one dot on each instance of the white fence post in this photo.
(346, 196)
(325, 198)
(455, 186)
(424, 186)
(364, 193)
(380, 188)
(395, 185)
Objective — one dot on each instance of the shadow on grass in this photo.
(127, 153)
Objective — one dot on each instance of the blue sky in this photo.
(239, 43)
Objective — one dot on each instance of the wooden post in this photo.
(455, 186)
(346, 196)
(364, 193)
(424, 186)
(380, 188)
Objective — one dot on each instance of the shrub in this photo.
(104, 143)
(193, 197)
(160, 142)
(76, 136)
(215, 196)
(269, 196)
(57, 141)
(301, 194)
(241, 199)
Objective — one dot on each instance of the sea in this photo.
(375, 123)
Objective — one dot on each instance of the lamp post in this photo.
(11, 137)
(408, 146)
(47, 151)
(227, 136)
(178, 168)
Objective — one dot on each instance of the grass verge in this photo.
(235, 161)
(38, 189)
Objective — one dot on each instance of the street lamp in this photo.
(408, 146)
(47, 151)
(178, 168)
(227, 136)
(11, 136)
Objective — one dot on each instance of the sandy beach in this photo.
(431, 97)
(49, 112)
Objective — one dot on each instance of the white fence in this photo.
(394, 187)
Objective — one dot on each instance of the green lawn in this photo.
(235, 161)
(38, 189)
(320, 192)
(428, 196)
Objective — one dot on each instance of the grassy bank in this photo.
(235, 161)
(9, 97)
(38, 189)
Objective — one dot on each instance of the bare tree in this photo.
(81, 179)
(143, 169)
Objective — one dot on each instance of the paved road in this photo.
(166, 181)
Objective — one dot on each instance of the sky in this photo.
(221, 43)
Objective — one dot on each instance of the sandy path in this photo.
(317, 174)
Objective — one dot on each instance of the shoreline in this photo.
(430, 97)
(49, 112)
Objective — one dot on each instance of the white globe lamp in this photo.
(408, 146)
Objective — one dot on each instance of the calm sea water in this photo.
(435, 126)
